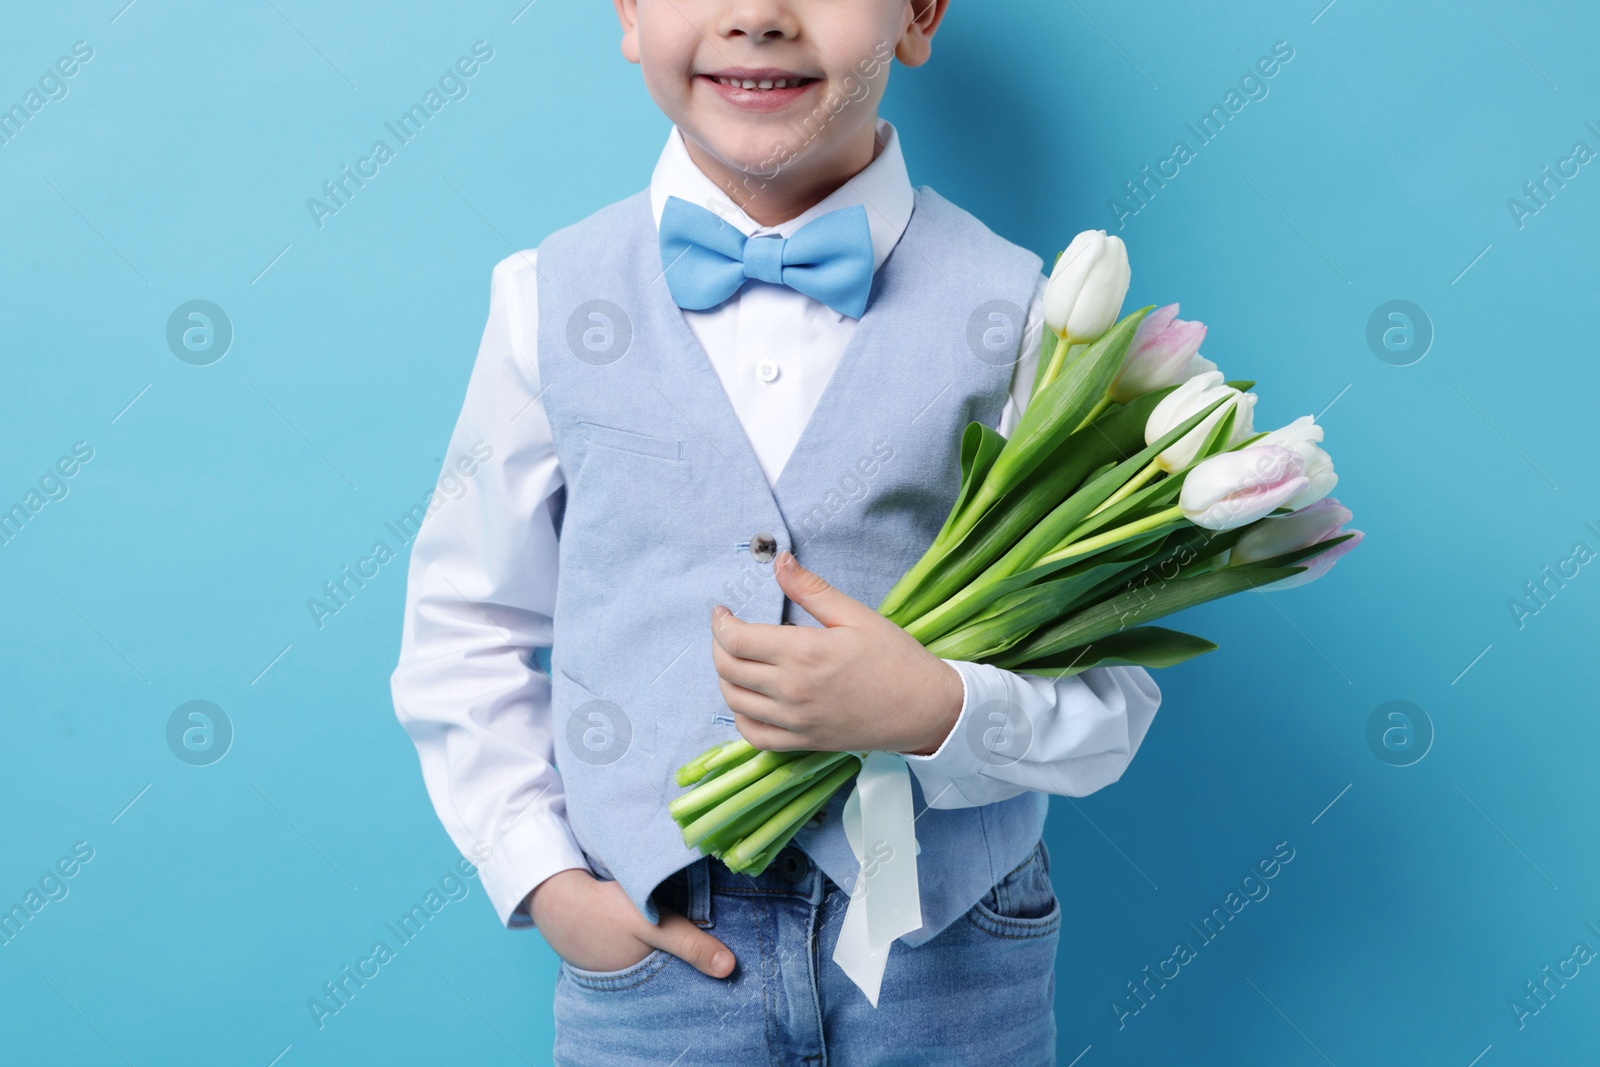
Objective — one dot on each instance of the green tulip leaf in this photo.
(1142, 646)
(1217, 439)
(980, 446)
(1183, 552)
(1137, 607)
(1047, 349)
(944, 603)
(944, 570)
(1027, 603)
(1055, 414)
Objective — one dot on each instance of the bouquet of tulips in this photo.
(1134, 486)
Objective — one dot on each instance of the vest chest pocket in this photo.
(630, 441)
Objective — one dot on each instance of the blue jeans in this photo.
(981, 992)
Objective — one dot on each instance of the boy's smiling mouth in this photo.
(758, 89)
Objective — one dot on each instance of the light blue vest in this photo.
(666, 511)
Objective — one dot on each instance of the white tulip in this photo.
(1188, 400)
(1198, 365)
(1087, 287)
(1303, 435)
(1233, 489)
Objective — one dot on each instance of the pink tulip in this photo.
(1233, 489)
(1159, 355)
(1311, 525)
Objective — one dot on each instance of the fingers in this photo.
(756, 641)
(688, 942)
(743, 701)
(829, 606)
(765, 735)
(756, 675)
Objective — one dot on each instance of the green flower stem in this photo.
(1151, 470)
(803, 770)
(727, 836)
(752, 854)
(714, 760)
(1047, 346)
(723, 786)
(1095, 412)
(1089, 546)
(730, 755)
(1058, 360)
(695, 769)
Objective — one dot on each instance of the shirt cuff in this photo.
(956, 757)
(535, 847)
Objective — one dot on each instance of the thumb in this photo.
(693, 945)
(811, 591)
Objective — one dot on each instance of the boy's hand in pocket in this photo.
(857, 683)
(593, 925)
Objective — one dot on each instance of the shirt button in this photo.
(767, 370)
(763, 546)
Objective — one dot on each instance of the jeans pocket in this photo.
(635, 974)
(1023, 904)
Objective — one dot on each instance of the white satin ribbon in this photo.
(885, 901)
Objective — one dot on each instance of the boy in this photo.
(679, 404)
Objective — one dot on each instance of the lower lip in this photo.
(758, 99)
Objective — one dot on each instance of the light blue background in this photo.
(179, 565)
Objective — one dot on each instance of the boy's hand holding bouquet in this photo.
(1135, 485)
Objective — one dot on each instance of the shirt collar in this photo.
(883, 188)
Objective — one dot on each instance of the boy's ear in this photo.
(916, 44)
(628, 15)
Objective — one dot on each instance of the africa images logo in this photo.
(452, 85)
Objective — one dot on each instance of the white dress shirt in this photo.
(482, 577)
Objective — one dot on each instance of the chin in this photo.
(757, 149)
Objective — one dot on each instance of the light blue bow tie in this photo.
(707, 259)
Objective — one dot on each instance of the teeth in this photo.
(766, 83)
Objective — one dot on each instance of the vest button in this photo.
(763, 546)
(792, 864)
(767, 370)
